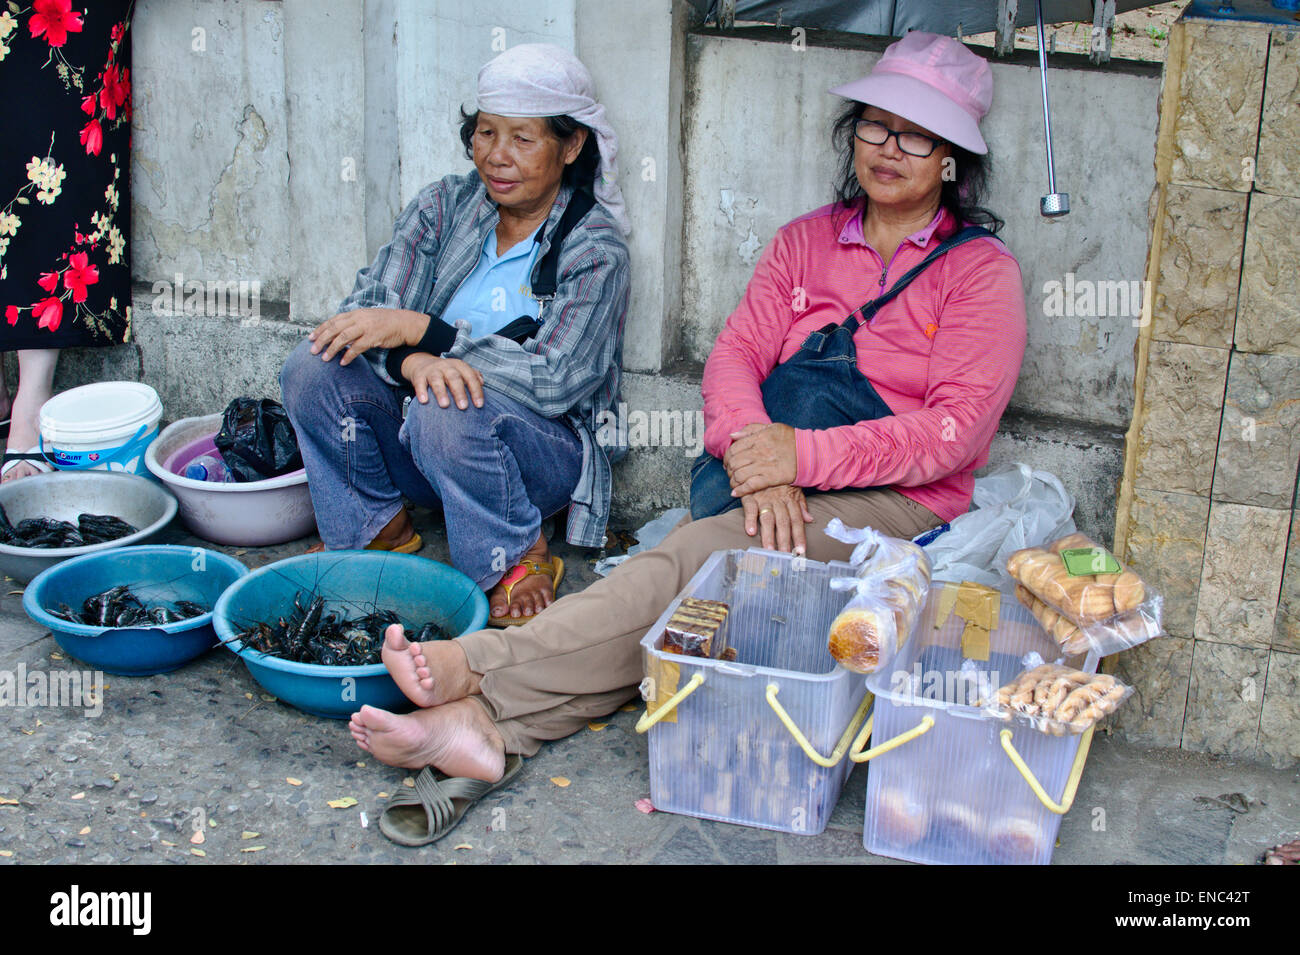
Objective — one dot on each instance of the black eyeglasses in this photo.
(877, 134)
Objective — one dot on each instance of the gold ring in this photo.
(764, 511)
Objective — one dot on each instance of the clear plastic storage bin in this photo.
(761, 741)
(950, 782)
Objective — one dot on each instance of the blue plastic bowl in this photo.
(353, 582)
(155, 573)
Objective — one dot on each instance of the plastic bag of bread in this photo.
(876, 554)
(865, 635)
(1058, 699)
(1082, 595)
(892, 579)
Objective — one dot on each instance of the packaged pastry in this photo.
(875, 623)
(1132, 627)
(1062, 629)
(864, 635)
(1083, 585)
(1059, 700)
(697, 628)
(877, 555)
(892, 579)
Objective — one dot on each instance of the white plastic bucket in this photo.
(105, 426)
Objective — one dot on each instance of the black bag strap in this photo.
(869, 309)
(548, 270)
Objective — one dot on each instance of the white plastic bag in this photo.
(1015, 507)
(891, 578)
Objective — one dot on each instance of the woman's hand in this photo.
(779, 514)
(443, 375)
(761, 456)
(366, 328)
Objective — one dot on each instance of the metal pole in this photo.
(1054, 203)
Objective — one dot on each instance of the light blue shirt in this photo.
(497, 291)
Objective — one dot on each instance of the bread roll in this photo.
(901, 818)
(858, 633)
(1017, 840)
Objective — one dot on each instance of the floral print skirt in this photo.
(65, 176)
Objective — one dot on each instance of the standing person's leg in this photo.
(582, 657)
(348, 421)
(35, 387)
(5, 402)
(500, 470)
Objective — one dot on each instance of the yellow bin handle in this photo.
(841, 747)
(648, 720)
(858, 756)
(1071, 784)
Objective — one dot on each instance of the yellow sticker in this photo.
(977, 604)
(664, 676)
(974, 642)
(943, 610)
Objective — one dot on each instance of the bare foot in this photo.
(531, 595)
(430, 674)
(393, 534)
(457, 738)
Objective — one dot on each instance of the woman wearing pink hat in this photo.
(904, 394)
(885, 414)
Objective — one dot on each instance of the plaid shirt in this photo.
(571, 370)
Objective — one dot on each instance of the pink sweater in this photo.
(944, 355)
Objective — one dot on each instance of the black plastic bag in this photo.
(257, 440)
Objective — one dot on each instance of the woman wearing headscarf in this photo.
(499, 305)
(861, 377)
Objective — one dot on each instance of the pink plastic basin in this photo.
(254, 514)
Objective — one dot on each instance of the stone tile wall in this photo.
(1207, 508)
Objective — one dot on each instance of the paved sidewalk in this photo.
(204, 749)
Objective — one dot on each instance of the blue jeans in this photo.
(496, 471)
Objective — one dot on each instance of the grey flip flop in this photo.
(423, 815)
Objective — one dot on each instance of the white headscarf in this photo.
(540, 79)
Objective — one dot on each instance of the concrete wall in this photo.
(276, 142)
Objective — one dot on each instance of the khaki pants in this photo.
(581, 658)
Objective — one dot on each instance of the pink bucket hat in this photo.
(933, 81)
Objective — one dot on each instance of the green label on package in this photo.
(1085, 561)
